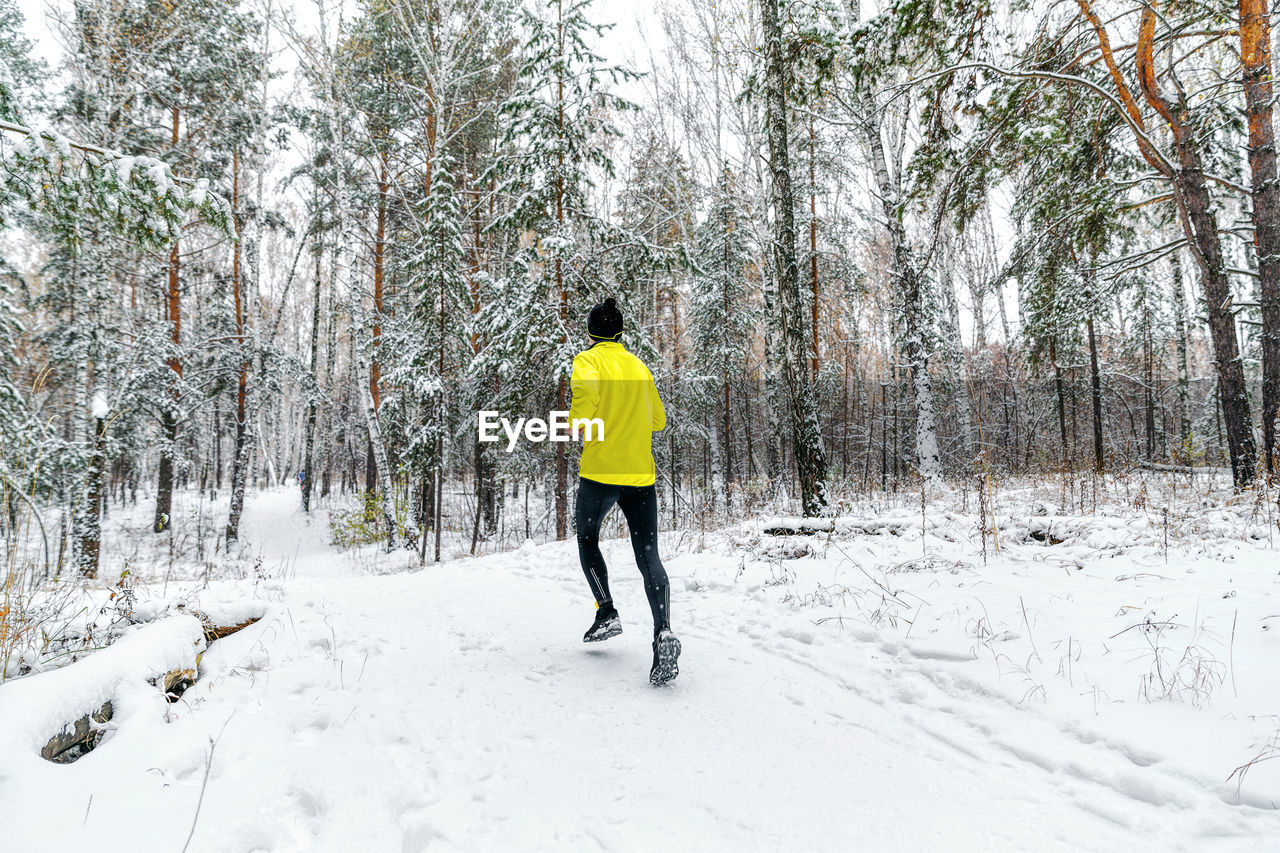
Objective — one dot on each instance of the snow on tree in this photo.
(721, 314)
(559, 121)
(806, 431)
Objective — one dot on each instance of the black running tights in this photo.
(639, 504)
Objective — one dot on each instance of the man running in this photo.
(617, 467)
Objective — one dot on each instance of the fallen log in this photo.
(83, 735)
(66, 747)
(1181, 469)
(218, 632)
(796, 530)
(847, 526)
(177, 682)
(798, 526)
(214, 631)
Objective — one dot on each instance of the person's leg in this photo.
(593, 504)
(640, 506)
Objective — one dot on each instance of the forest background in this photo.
(865, 249)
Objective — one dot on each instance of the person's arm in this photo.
(655, 407)
(584, 383)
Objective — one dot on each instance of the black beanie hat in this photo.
(604, 323)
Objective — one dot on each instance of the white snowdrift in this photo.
(34, 709)
(882, 685)
(101, 615)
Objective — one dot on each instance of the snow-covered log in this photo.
(79, 737)
(218, 632)
(1091, 531)
(160, 659)
(892, 525)
(1181, 469)
(62, 701)
(224, 619)
(82, 736)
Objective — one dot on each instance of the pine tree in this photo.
(87, 200)
(1156, 118)
(802, 407)
(21, 74)
(375, 56)
(174, 100)
(332, 170)
(722, 314)
(244, 131)
(558, 122)
(1255, 57)
(430, 348)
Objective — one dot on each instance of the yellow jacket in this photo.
(614, 386)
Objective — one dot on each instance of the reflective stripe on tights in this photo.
(639, 505)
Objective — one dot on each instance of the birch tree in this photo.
(912, 290)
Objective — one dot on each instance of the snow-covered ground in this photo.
(874, 687)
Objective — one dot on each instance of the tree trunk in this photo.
(308, 469)
(486, 486)
(562, 386)
(673, 455)
(955, 351)
(811, 460)
(907, 282)
(86, 498)
(90, 515)
(978, 293)
(726, 432)
(1199, 224)
(1095, 379)
(437, 503)
(1149, 387)
(813, 250)
(425, 496)
(378, 449)
(217, 447)
(1184, 366)
(244, 434)
(169, 420)
(1222, 329)
(726, 436)
(1062, 403)
(375, 463)
(239, 471)
(1255, 56)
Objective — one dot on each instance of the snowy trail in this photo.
(495, 729)
(455, 708)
